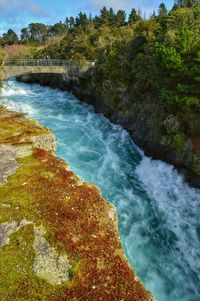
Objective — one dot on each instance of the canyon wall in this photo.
(162, 135)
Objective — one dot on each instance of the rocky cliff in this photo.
(163, 135)
(58, 236)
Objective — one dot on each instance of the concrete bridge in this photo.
(12, 68)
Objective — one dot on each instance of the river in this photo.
(159, 215)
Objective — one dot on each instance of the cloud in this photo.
(16, 14)
(145, 5)
(12, 7)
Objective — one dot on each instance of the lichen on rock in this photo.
(48, 264)
(8, 228)
(8, 163)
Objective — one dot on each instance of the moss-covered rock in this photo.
(59, 238)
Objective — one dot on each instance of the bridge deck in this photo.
(13, 68)
(49, 62)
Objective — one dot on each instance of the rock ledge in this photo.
(58, 237)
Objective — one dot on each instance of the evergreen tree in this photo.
(97, 21)
(10, 38)
(178, 66)
(67, 22)
(111, 18)
(38, 31)
(57, 29)
(104, 16)
(90, 17)
(25, 35)
(175, 7)
(162, 10)
(187, 3)
(71, 22)
(153, 15)
(121, 18)
(133, 17)
(82, 20)
(162, 14)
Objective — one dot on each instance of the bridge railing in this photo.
(49, 62)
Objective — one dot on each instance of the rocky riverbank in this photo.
(58, 237)
(173, 138)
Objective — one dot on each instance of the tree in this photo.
(104, 16)
(67, 22)
(187, 3)
(153, 15)
(107, 17)
(133, 17)
(138, 45)
(71, 22)
(121, 18)
(162, 18)
(38, 31)
(175, 7)
(82, 21)
(10, 38)
(148, 28)
(90, 17)
(25, 35)
(57, 29)
(111, 18)
(177, 65)
(162, 10)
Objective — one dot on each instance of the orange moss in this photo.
(16, 129)
(77, 218)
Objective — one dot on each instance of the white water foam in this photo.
(18, 107)
(179, 206)
(10, 91)
(159, 217)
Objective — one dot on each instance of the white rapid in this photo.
(159, 215)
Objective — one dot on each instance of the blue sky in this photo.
(16, 14)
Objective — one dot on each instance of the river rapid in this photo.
(159, 215)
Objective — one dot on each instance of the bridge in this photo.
(12, 68)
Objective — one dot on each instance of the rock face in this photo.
(174, 138)
(49, 265)
(8, 163)
(58, 237)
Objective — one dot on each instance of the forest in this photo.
(159, 54)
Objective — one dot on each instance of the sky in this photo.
(17, 14)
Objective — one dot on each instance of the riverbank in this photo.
(160, 133)
(59, 237)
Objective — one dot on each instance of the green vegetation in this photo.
(162, 57)
(178, 142)
(9, 38)
(136, 59)
(159, 55)
(177, 60)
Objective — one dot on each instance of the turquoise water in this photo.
(159, 215)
